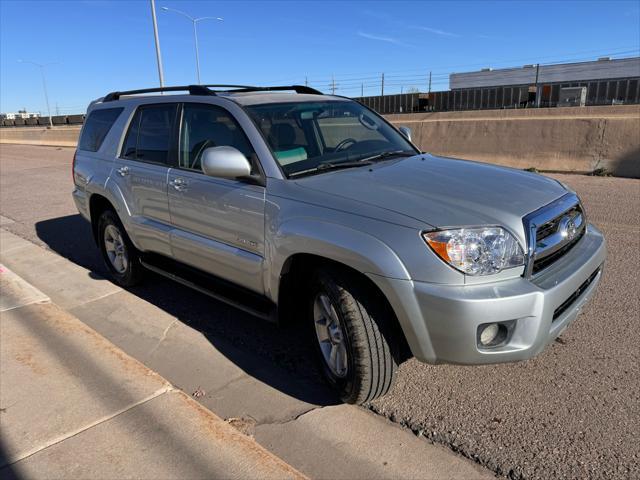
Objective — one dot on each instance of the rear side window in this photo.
(150, 133)
(96, 128)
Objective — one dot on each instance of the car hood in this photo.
(443, 192)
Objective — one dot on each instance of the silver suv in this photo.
(298, 206)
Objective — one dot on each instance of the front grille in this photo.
(551, 227)
(574, 296)
(552, 231)
(543, 263)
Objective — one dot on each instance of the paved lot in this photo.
(572, 412)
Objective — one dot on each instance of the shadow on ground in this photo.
(6, 470)
(277, 356)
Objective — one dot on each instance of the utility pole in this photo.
(306, 81)
(157, 40)
(537, 76)
(57, 109)
(429, 82)
(362, 90)
(333, 85)
(382, 86)
(401, 89)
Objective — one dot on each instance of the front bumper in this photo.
(441, 322)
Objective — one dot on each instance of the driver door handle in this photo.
(179, 184)
(123, 171)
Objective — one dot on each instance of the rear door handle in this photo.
(123, 171)
(179, 184)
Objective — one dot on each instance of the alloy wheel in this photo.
(116, 249)
(330, 336)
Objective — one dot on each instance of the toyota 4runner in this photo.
(290, 204)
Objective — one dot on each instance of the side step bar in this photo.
(219, 289)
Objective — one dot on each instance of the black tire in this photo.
(132, 274)
(371, 343)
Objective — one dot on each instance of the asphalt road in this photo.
(572, 412)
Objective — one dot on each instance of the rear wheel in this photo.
(356, 346)
(120, 256)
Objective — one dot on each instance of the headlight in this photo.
(476, 251)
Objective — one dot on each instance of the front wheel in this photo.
(119, 255)
(352, 331)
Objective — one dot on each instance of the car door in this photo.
(218, 223)
(141, 172)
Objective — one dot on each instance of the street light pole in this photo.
(195, 42)
(44, 84)
(157, 40)
(195, 33)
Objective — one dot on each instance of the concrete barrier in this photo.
(568, 139)
(550, 139)
(37, 135)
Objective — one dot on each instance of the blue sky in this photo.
(105, 45)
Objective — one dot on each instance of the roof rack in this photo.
(192, 89)
(280, 88)
(235, 87)
(204, 90)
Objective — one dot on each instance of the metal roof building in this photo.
(603, 69)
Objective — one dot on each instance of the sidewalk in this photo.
(72, 405)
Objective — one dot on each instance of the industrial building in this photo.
(601, 82)
(607, 82)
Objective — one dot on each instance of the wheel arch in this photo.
(295, 279)
(97, 204)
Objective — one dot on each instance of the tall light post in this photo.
(195, 32)
(44, 83)
(157, 40)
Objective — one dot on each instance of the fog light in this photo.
(495, 334)
(489, 333)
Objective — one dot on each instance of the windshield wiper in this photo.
(324, 166)
(385, 155)
(345, 164)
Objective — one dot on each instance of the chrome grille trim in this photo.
(552, 240)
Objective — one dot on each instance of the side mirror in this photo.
(225, 162)
(406, 131)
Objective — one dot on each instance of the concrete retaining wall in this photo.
(56, 136)
(552, 139)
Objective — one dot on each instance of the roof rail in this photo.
(280, 88)
(229, 86)
(192, 89)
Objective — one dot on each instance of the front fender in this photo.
(354, 248)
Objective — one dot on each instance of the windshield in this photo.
(308, 135)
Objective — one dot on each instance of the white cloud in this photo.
(436, 31)
(381, 38)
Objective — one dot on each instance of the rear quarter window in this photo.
(97, 127)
